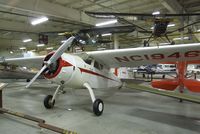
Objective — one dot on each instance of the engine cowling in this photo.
(61, 70)
(52, 70)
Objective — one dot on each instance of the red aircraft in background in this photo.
(180, 81)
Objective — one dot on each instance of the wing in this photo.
(31, 62)
(133, 57)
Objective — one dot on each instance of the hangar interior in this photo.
(126, 110)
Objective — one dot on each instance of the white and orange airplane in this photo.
(92, 70)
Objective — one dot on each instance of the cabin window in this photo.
(96, 65)
(101, 66)
(88, 61)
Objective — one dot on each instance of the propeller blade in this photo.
(35, 77)
(61, 50)
(54, 57)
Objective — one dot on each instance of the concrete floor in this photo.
(126, 112)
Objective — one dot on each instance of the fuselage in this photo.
(72, 71)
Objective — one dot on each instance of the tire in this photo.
(28, 80)
(98, 107)
(47, 102)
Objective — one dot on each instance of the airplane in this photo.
(161, 22)
(180, 80)
(92, 70)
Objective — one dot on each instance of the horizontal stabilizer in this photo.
(167, 84)
(168, 62)
(193, 62)
(192, 85)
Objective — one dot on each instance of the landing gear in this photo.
(98, 105)
(49, 100)
(48, 103)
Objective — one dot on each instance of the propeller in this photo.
(54, 57)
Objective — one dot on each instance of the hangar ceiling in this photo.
(68, 15)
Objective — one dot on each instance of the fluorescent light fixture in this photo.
(69, 109)
(198, 30)
(156, 13)
(39, 20)
(61, 33)
(49, 48)
(184, 38)
(27, 40)
(33, 50)
(106, 23)
(107, 34)
(171, 25)
(22, 48)
(107, 16)
(11, 52)
(40, 45)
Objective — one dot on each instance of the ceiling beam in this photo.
(42, 7)
(173, 6)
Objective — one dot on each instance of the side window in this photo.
(88, 61)
(101, 66)
(96, 65)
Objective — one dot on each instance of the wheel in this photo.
(180, 100)
(98, 107)
(28, 80)
(47, 102)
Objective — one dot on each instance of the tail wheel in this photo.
(98, 107)
(48, 102)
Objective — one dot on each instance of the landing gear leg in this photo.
(98, 105)
(49, 100)
(181, 88)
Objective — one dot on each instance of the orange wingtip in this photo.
(192, 85)
(167, 84)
